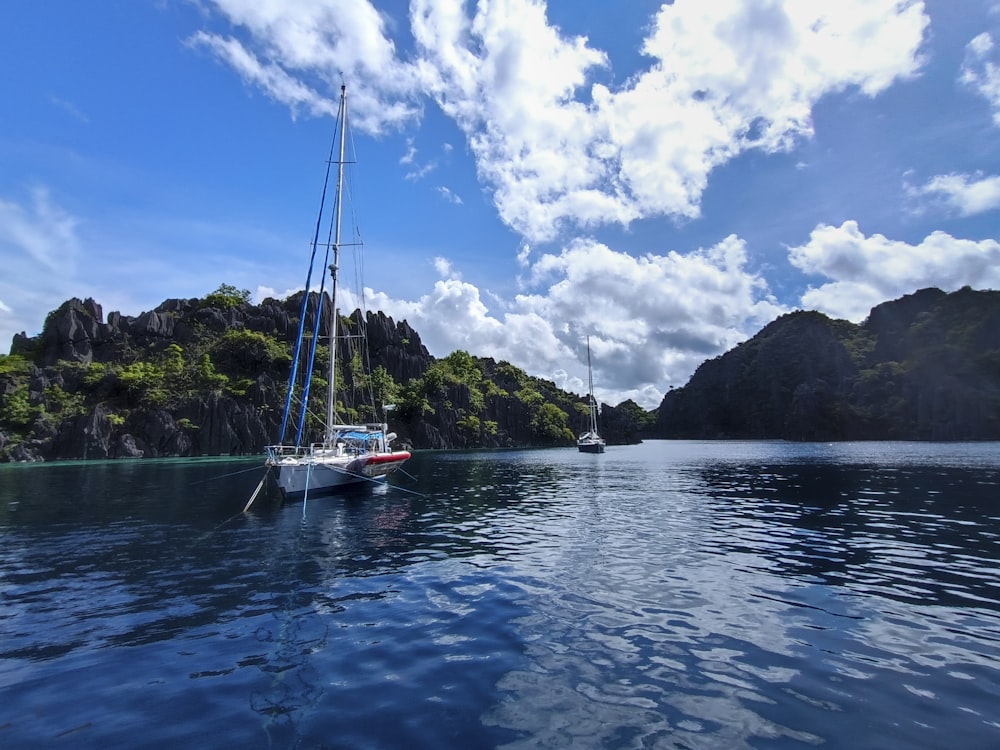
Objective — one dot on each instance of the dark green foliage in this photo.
(14, 364)
(926, 366)
(145, 382)
(466, 401)
(384, 388)
(208, 376)
(628, 422)
(227, 296)
(412, 403)
(239, 350)
(16, 410)
(458, 401)
(550, 425)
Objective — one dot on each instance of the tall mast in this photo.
(334, 267)
(590, 378)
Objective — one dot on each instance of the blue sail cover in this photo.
(359, 435)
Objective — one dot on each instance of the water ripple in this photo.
(669, 595)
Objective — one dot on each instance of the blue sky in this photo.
(665, 178)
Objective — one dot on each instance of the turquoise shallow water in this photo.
(667, 595)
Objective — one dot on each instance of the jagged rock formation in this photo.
(208, 377)
(63, 365)
(924, 367)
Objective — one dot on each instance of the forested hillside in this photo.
(923, 367)
(208, 377)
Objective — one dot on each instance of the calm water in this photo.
(667, 595)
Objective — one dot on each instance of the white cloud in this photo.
(556, 149)
(652, 320)
(509, 80)
(965, 194)
(726, 76)
(297, 51)
(444, 268)
(981, 71)
(423, 171)
(865, 271)
(411, 153)
(410, 159)
(278, 84)
(729, 76)
(524, 255)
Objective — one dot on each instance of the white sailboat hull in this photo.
(317, 474)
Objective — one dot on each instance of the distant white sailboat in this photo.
(349, 454)
(590, 441)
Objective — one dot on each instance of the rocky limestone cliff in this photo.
(76, 338)
(208, 377)
(924, 367)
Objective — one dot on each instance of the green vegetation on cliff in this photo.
(923, 367)
(208, 376)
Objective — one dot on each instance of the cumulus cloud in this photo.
(964, 194)
(558, 150)
(725, 77)
(561, 152)
(278, 84)
(981, 72)
(652, 320)
(865, 271)
(730, 76)
(299, 53)
(444, 268)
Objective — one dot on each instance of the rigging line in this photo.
(379, 482)
(331, 238)
(302, 315)
(256, 492)
(296, 355)
(357, 250)
(357, 246)
(359, 285)
(403, 489)
(241, 513)
(311, 413)
(312, 354)
(404, 471)
(348, 191)
(307, 376)
(223, 476)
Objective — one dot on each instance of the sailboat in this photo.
(349, 453)
(590, 441)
